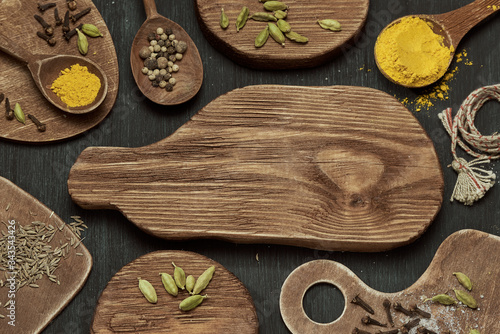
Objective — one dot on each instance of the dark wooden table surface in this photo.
(42, 170)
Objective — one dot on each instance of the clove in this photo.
(387, 307)
(46, 6)
(400, 308)
(370, 321)
(423, 330)
(71, 4)
(57, 18)
(46, 27)
(360, 302)
(9, 113)
(392, 331)
(65, 27)
(78, 16)
(422, 313)
(49, 39)
(359, 331)
(2, 96)
(39, 125)
(72, 32)
(409, 325)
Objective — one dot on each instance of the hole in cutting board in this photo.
(323, 303)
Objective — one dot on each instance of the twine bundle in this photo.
(473, 182)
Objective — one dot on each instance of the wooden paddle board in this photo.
(302, 16)
(36, 307)
(335, 168)
(17, 22)
(468, 251)
(122, 307)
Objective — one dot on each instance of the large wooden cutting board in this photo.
(323, 44)
(35, 308)
(336, 168)
(17, 22)
(471, 252)
(123, 309)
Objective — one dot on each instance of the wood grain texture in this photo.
(122, 307)
(17, 84)
(466, 251)
(37, 307)
(302, 16)
(336, 168)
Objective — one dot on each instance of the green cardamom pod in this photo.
(203, 280)
(148, 291)
(191, 302)
(466, 298)
(279, 14)
(224, 21)
(19, 114)
(274, 5)
(292, 35)
(262, 37)
(283, 25)
(276, 33)
(464, 280)
(190, 282)
(179, 277)
(242, 18)
(442, 299)
(263, 17)
(169, 284)
(91, 30)
(474, 331)
(330, 24)
(82, 43)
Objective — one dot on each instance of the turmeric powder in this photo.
(76, 87)
(410, 53)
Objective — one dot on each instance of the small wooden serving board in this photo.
(468, 251)
(123, 309)
(302, 16)
(336, 168)
(16, 18)
(35, 308)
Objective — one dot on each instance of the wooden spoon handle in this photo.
(458, 22)
(15, 50)
(150, 7)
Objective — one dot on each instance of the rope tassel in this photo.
(473, 182)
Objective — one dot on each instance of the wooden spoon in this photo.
(190, 76)
(452, 26)
(46, 68)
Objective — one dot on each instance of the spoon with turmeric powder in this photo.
(45, 69)
(415, 51)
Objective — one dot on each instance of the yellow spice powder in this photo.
(76, 86)
(410, 53)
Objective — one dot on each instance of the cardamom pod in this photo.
(242, 18)
(203, 280)
(190, 282)
(292, 35)
(82, 43)
(474, 331)
(442, 299)
(464, 280)
(283, 25)
(191, 302)
(179, 277)
(466, 298)
(91, 30)
(224, 21)
(276, 33)
(262, 37)
(19, 114)
(169, 284)
(330, 24)
(148, 291)
(279, 14)
(274, 5)
(263, 17)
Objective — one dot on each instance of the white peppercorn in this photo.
(163, 49)
(162, 84)
(175, 68)
(150, 72)
(153, 42)
(152, 77)
(159, 31)
(172, 58)
(171, 37)
(162, 62)
(145, 70)
(172, 81)
(163, 72)
(170, 63)
(156, 71)
(144, 52)
(178, 56)
(157, 48)
(170, 69)
(164, 37)
(152, 49)
(154, 55)
(181, 47)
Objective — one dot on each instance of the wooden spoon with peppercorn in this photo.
(174, 46)
(46, 68)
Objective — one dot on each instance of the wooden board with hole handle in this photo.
(35, 308)
(471, 252)
(335, 168)
(323, 45)
(123, 309)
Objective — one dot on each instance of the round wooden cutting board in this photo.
(17, 84)
(302, 16)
